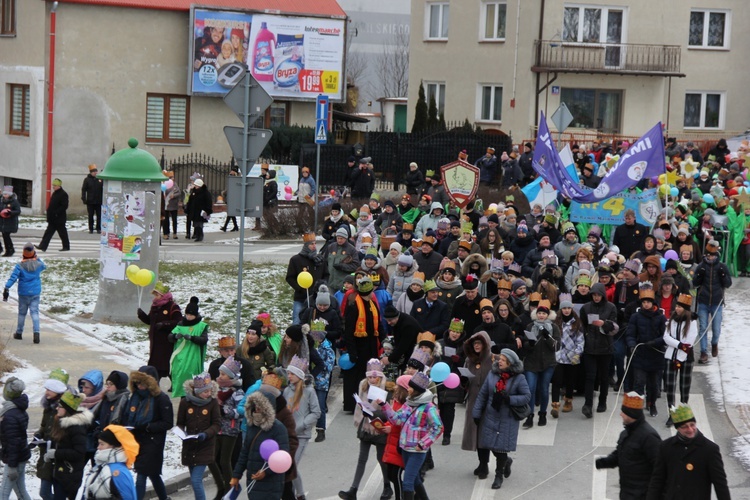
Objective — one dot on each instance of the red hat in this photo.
(239, 33)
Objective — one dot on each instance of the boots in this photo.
(482, 471)
(506, 470)
(568, 405)
(420, 492)
(529, 422)
(499, 473)
(407, 495)
(498, 482)
(586, 410)
(555, 410)
(542, 419)
(387, 492)
(36, 338)
(320, 435)
(349, 495)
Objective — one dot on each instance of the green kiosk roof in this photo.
(132, 164)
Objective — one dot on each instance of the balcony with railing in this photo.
(553, 56)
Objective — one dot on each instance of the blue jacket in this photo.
(498, 430)
(28, 273)
(95, 377)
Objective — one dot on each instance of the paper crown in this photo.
(685, 300)
(535, 297)
(633, 265)
(374, 368)
(467, 227)
(264, 318)
(429, 240)
(515, 269)
(504, 284)
(496, 265)
(298, 366)
(201, 382)
(465, 245)
(566, 300)
(372, 251)
(418, 359)
(92, 167)
(273, 380)
(681, 414)
(646, 291)
(429, 173)
(420, 381)
(426, 338)
(375, 277)
(365, 285)
(632, 400)
(318, 326)
(71, 401)
(544, 304)
(231, 367)
(226, 342)
(429, 285)
(712, 246)
(59, 374)
(446, 263)
(583, 280)
(457, 325)
(418, 277)
(486, 304)
(366, 238)
(308, 237)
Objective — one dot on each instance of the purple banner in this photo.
(644, 158)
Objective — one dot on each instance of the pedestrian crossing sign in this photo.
(321, 137)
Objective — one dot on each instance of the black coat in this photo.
(499, 333)
(711, 280)
(299, 263)
(468, 311)
(405, 333)
(647, 327)
(360, 349)
(435, 319)
(363, 183)
(332, 317)
(153, 435)
(200, 200)
(629, 239)
(687, 470)
(635, 455)
(13, 426)
(246, 370)
(428, 264)
(10, 224)
(92, 190)
(70, 451)
(57, 209)
(414, 181)
(599, 340)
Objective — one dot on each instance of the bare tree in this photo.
(393, 66)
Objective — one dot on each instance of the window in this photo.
(589, 24)
(709, 29)
(493, 21)
(437, 21)
(436, 90)
(704, 110)
(277, 114)
(20, 109)
(7, 17)
(491, 105)
(167, 118)
(593, 108)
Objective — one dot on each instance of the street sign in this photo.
(562, 117)
(256, 142)
(320, 132)
(259, 98)
(253, 196)
(321, 120)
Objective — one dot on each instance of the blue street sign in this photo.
(321, 120)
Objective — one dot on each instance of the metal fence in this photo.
(213, 171)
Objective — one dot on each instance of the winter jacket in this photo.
(151, 435)
(673, 479)
(14, 422)
(511, 174)
(112, 409)
(567, 252)
(161, 319)
(28, 273)
(246, 370)
(434, 319)
(448, 291)
(92, 190)
(429, 221)
(487, 165)
(479, 365)
(673, 337)
(303, 261)
(189, 352)
(420, 423)
(522, 246)
(58, 207)
(499, 333)
(323, 378)
(457, 395)
(172, 198)
(599, 340)
(342, 261)
(200, 201)
(414, 181)
(262, 426)
(405, 333)
(307, 413)
(104, 478)
(498, 430)
(366, 227)
(540, 354)
(331, 317)
(429, 264)
(629, 239)
(196, 416)
(571, 343)
(392, 453)
(362, 183)
(10, 224)
(229, 399)
(467, 310)
(401, 281)
(330, 227)
(532, 260)
(70, 451)
(438, 194)
(44, 434)
(635, 456)
(647, 327)
(259, 356)
(711, 279)
(386, 220)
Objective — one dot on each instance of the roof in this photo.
(328, 8)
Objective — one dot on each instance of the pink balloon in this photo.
(452, 381)
(280, 461)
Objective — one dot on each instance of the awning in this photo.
(347, 117)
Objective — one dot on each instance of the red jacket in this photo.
(391, 454)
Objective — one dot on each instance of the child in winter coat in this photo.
(229, 396)
(568, 355)
(303, 402)
(199, 415)
(270, 332)
(91, 387)
(256, 350)
(28, 275)
(69, 438)
(114, 405)
(110, 477)
(420, 428)
(189, 337)
(14, 421)
(392, 453)
(539, 363)
(322, 382)
(54, 388)
(447, 398)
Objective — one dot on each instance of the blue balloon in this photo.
(163, 188)
(345, 363)
(439, 372)
(663, 262)
(708, 198)
(674, 191)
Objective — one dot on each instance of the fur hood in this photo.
(83, 417)
(266, 415)
(471, 259)
(150, 382)
(469, 349)
(188, 386)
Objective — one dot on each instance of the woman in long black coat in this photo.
(200, 203)
(161, 319)
(10, 209)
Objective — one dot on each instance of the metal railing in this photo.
(607, 58)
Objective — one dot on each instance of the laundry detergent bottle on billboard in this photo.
(263, 49)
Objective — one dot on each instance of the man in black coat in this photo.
(629, 236)
(500, 334)
(308, 259)
(466, 306)
(363, 180)
(270, 186)
(525, 162)
(432, 315)
(199, 207)
(91, 196)
(428, 259)
(637, 448)
(711, 278)
(57, 216)
(228, 347)
(688, 463)
(361, 332)
(405, 332)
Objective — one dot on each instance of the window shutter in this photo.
(177, 118)
(155, 118)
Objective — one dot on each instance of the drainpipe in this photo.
(538, 58)
(51, 97)
(515, 61)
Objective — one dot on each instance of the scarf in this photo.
(162, 300)
(501, 383)
(414, 296)
(308, 252)
(360, 328)
(225, 394)
(141, 408)
(190, 395)
(90, 401)
(361, 224)
(6, 407)
(113, 396)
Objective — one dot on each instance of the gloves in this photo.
(178, 336)
(477, 421)
(497, 401)
(455, 358)
(12, 474)
(202, 436)
(599, 463)
(504, 394)
(49, 456)
(6, 294)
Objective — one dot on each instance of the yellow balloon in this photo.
(664, 189)
(131, 271)
(305, 279)
(143, 277)
(663, 179)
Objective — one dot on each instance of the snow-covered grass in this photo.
(80, 223)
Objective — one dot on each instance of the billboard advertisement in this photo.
(293, 58)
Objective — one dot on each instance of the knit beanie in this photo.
(14, 387)
(118, 379)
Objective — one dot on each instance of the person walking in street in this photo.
(57, 217)
(161, 319)
(91, 196)
(342, 258)
(505, 386)
(307, 260)
(28, 275)
(172, 206)
(679, 336)
(199, 208)
(229, 218)
(115, 402)
(227, 347)
(636, 452)
(15, 452)
(540, 362)
(568, 356)
(10, 209)
(151, 415)
(189, 337)
(711, 278)
(688, 464)
(479, 363)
